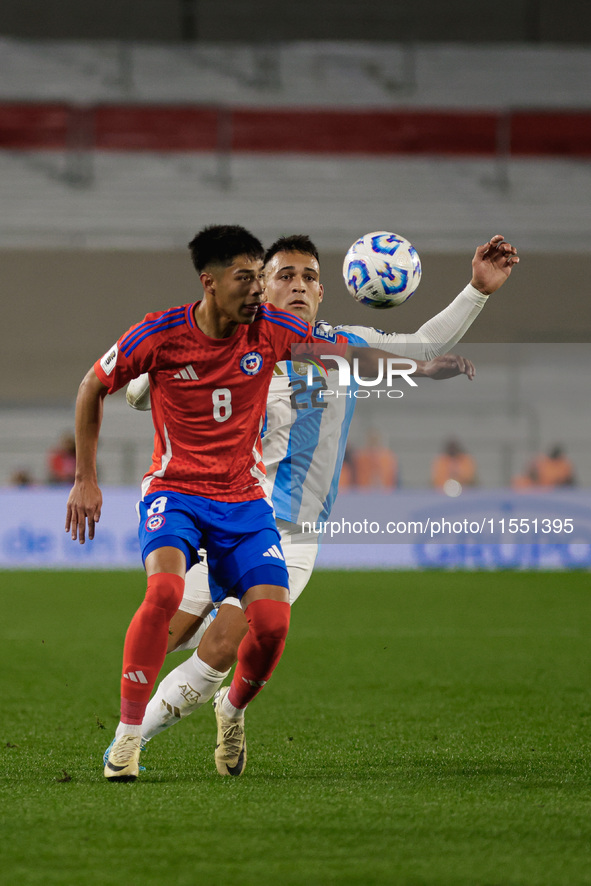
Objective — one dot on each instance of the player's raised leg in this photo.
(190, 685)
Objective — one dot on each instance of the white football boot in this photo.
(230, 750)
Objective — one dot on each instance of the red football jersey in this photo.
(208, 396)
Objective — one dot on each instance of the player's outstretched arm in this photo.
(445, 366)
(85, 499)
(370, 361)
(492, 264)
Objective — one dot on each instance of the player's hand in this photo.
(492, 264)
(448, 366)
(84, 505)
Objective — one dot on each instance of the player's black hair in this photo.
(293, 243)
(220, 244)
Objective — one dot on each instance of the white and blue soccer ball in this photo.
(382, 270)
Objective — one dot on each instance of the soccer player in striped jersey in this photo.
(210, 365)
(303, 450)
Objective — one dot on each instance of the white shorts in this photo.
(300, 552)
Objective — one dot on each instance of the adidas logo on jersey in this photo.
(274, 552)
(188, 373)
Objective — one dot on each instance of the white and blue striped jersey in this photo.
(304, 438)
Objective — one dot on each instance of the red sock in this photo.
(260, 650)
(145, 643)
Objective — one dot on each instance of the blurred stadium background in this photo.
(438, 733)
(126, 126)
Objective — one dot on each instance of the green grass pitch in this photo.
(422, 728)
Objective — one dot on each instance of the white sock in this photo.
(184, 690)
(231, 712)
(194, 641)
(128, 729)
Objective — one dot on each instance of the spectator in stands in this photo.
(526, 480)
(61, 461)
(453, 463)
(374, 465)
(21, 477)
(346, 480)
(547, 470)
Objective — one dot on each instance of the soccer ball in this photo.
(382, 270)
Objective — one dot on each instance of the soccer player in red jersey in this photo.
(210, 366)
